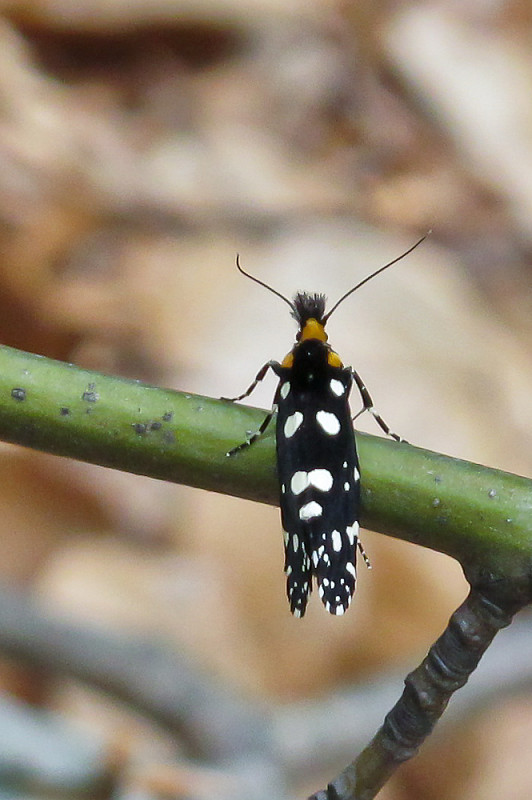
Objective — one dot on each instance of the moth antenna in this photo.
(264, 285)
(374, 274)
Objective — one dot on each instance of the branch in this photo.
(314, 734)
(479, 516)
(428, 689)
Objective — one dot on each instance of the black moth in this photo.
(317, 461)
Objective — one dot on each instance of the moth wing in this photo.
(320, 493)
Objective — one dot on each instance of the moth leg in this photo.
(258, 378)
(252, 438)
(363, 553)
(368, 406)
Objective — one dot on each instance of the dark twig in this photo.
(314, 735)
(446, 668)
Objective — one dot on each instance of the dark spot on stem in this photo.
(89, 396)
(142, 428)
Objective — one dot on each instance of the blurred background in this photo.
(142, 145)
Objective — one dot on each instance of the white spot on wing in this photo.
(339, 610)
(346, 486)
(337, 387)
(295, 542)
(310, 510)
(328, 421)
(356, 474)
(292, 423)
(285, 389)
(321, 479)
(350, 567)
(352, 532)
(299, 482)
(336, 539)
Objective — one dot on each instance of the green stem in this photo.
(478, 515)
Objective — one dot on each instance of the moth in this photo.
(317, 460)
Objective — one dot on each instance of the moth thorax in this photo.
(310, 363)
